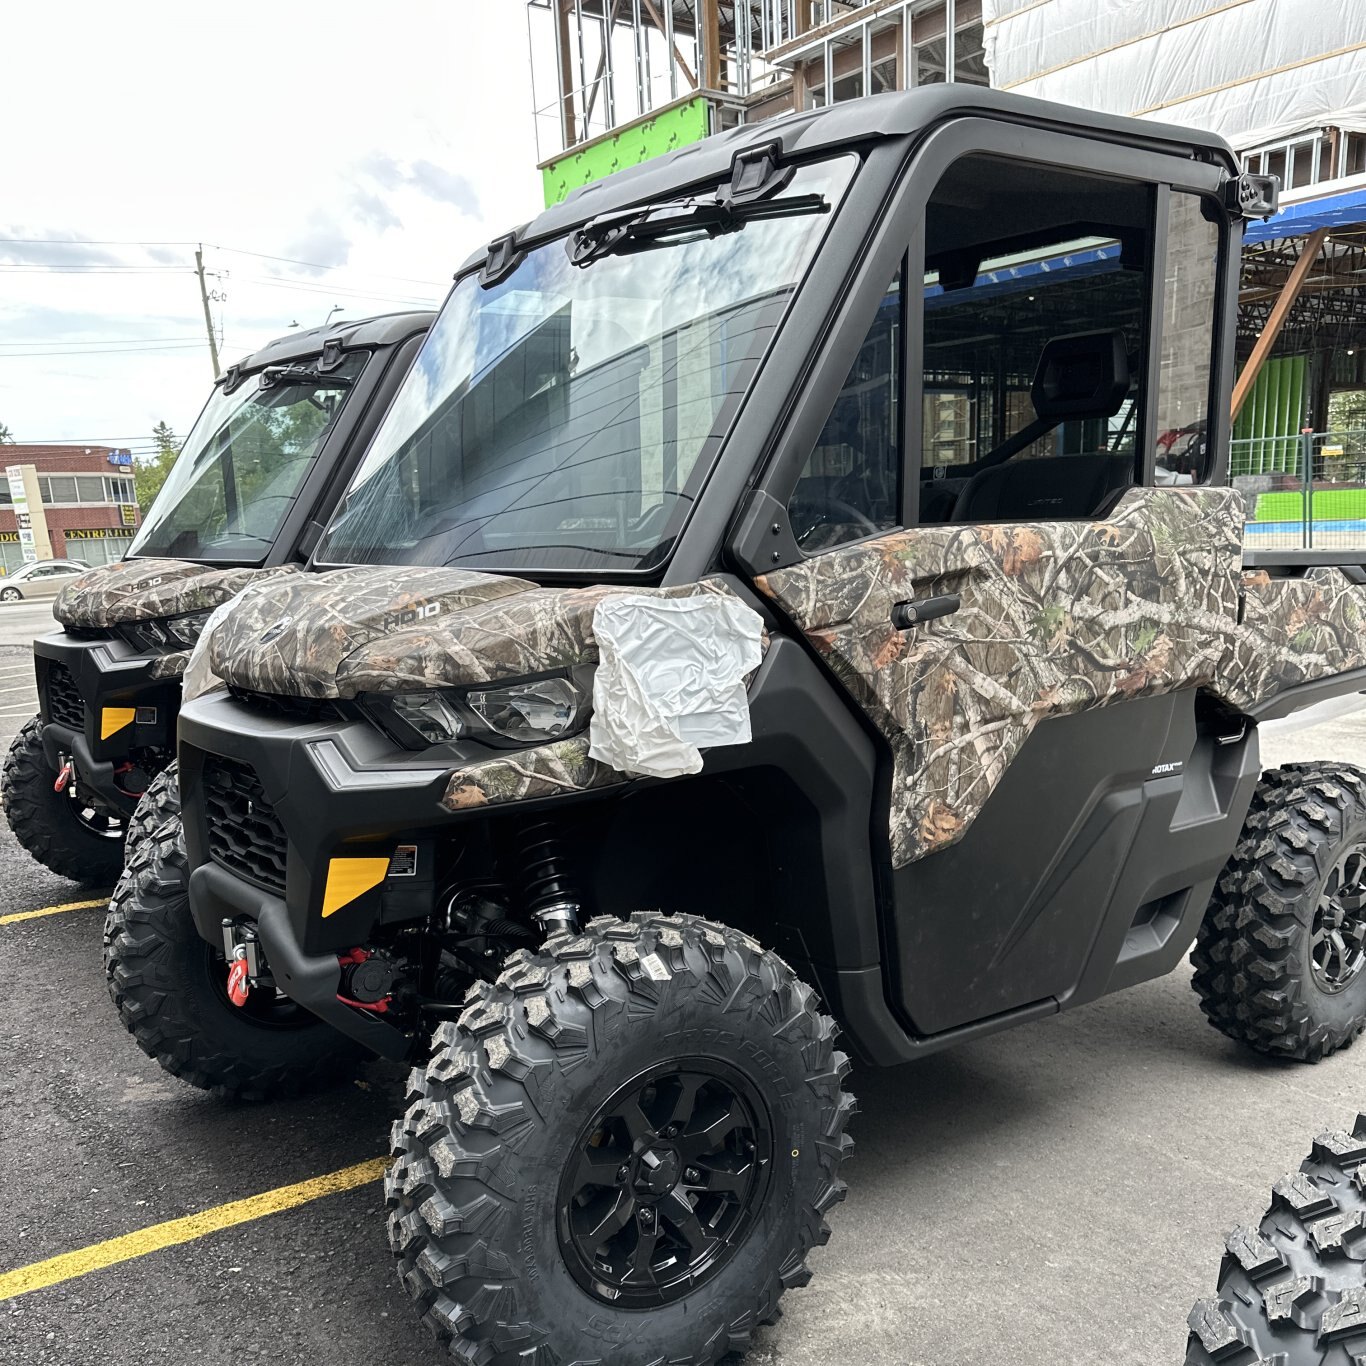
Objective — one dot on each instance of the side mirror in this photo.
(1085, 374)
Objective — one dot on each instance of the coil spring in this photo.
(548, 891)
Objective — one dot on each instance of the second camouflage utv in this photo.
(826, 447)
(259, 474)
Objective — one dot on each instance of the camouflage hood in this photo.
(140, 590)
(391, 629)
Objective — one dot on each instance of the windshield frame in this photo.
(283, 543)
(712, 448)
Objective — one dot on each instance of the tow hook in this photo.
(244, 964)
(239, 980)
(65, 774)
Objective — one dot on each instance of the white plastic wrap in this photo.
(1254, 70)
(670, 680)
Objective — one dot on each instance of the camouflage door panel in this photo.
(1293, 631)
(1056, 617)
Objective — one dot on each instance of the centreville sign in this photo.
(84, 534)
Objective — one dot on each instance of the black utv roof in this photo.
(384, 329)
(852, 122)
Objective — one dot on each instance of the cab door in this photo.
(1029, 626)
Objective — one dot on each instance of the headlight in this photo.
(186, 630)
(529, 711)
(167, 633)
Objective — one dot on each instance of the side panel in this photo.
(1056, 618)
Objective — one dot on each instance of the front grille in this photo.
(64, 705)
(245, 834)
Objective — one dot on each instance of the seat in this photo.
(1046, 489)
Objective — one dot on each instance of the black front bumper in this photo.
(322, 789)
(127, 704)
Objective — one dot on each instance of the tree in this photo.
(150, 474)
(6, 438)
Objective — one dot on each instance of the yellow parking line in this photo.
(52, 910)
(174, 1231)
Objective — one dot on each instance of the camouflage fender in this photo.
(140, 590)
(557, 770)
(1056, 617)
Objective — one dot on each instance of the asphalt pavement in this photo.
(1052, 1196)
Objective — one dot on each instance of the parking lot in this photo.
(1054, 1195)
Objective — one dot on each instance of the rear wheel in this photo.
(156, 806)
(170, 987)
(1293, 1290)
(67, 834)
(1280, 963)
(621, 1152)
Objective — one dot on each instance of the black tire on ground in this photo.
(170, 988)
(1293, 1291)
(585, 1053)
(63, 834)
(1280, 961)
(10, 595)
(156, 806)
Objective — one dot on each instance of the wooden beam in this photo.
(709, 12)
(1280, 311)
(566, 73)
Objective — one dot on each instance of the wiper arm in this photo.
(641, 229)
(302, 374)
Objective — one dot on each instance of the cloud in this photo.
(436, 182)
(373, 211)
(59, 249)
(382, 169)
(323, 241)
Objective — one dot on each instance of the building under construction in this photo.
(619, 81)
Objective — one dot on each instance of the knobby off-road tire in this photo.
(156, 806)
(60, 832)
(170, 988)
(1293, 1291)
(655, 1018)
(1267, 970)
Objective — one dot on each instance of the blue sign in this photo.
(120, 457)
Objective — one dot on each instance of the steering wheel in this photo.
(821, 517)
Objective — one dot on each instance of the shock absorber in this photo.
(548, 891)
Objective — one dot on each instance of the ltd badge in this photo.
(275, 631)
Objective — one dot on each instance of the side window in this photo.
(1037, 295)
(851, 485)
(1189, 297)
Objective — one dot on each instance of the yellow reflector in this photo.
(113, 719)
(348, 878)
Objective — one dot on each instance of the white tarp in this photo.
(1253, 70)
(670, 680)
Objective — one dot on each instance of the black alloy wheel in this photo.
(664, 1183)
(1337, 947)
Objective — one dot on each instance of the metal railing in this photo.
(1303, 492)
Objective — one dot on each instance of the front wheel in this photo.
(1280, 963)
(1292, 1291)
(64, 833)
(170, 987)
(156, 806)
(10, 595)
(621, 1152)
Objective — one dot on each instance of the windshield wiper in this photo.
(756, 179)
(300, 375)
(642, 229)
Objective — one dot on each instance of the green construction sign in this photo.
(676, 126)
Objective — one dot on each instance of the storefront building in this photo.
(88, 502)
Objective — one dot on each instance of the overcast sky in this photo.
(384, 142)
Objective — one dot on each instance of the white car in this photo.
(41, 579)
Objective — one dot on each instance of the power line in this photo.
(97, 341)
(111, 351)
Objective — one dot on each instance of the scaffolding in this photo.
(685, 68)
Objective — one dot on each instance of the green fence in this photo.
(1303, 491)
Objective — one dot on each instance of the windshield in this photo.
(558, 420)
(243, 463)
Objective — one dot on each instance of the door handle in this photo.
(912, 613)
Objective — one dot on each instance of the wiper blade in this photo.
(641, 229)
(300, 375)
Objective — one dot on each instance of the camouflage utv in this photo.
(889, 376)
(258, 476)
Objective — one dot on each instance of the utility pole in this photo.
(204, 299)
